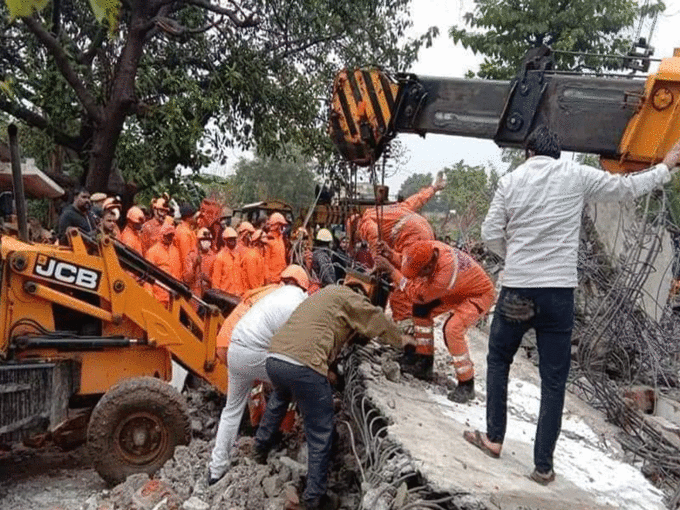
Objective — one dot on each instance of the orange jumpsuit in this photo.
(167, 259)
(252, 268)
(460, 286)
(198, 270)
(401, 226)
(226, 274)
(185, 240)
(150, 234)
(275, 257)
(132, 239)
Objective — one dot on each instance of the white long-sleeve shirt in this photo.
(257, 327)
(535, 216)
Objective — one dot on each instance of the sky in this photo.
(445, 59)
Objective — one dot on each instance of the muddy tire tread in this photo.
(140, 392)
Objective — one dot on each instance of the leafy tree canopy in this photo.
(266, 178)
(468, 194)
(163, 84)
(503, 31)
(415, 183)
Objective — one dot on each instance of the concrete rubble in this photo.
(417, 453)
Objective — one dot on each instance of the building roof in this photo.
(36, 183)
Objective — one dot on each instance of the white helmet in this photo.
(324, 235)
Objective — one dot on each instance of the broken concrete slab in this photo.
(668, 409)
(591, 474)
(611, 221)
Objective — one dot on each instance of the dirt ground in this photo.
(47, 479)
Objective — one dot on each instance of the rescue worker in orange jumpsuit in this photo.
(226, 274)
(397, 228)
(113, 204)
(275, 258)
(165, 255)
(198, 267)
(252, 263)
(441, 279)
(244, 229)
(259, 242)
(130, 236)
(150, 234)
(185, 237)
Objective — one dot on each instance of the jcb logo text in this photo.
(65, 272)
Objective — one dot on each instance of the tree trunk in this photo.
(120, 102)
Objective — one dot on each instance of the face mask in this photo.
(206, 245)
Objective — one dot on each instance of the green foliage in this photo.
(468, 193)
(266, 178)
(190, 81)
(513, 158)
(415, 183)
(503, 31)
(673, 197)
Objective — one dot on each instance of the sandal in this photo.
(482, 442)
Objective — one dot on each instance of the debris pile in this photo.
(619, 342)
(369, 469)
(182, 482)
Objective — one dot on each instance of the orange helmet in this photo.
(98, 197)
(111, 203)
(229, 233)
(295, 272)
(245, 226)
(415, 257)
(160, 203)
(135, 215)
(277, 219)
(204, 233)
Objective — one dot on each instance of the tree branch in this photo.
(303, 44)
(38, 121)
(85, 58)
(61, 59)
(237, 17)
(171, 27)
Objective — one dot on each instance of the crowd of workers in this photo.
(294, 320)
(205, 253)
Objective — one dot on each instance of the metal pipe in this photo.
(19, 197)
(74, 344)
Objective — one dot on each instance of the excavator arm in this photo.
(628, 121)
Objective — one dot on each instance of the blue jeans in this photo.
(314, 398)
(550, 311)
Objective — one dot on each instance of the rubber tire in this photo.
(140, 394)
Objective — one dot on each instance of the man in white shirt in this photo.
(534, 222)
(247, 354)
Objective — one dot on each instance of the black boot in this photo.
(464, 392)
(260, 454)
(422, 367)
(407, 360)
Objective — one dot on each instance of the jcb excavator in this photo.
(83, 344)
(631, 123)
